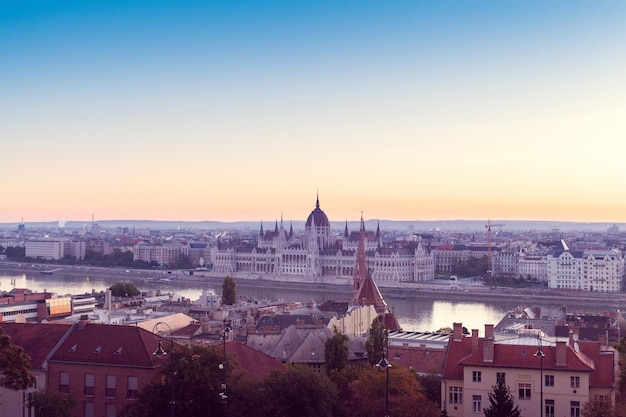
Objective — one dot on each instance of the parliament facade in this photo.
(318, 255)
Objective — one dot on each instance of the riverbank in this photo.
(432, 290)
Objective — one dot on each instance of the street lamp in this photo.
(222, 365)
(160, 353)
(540, 355)
(385, 365)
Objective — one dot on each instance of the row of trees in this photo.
(95, 258)
(344, 390)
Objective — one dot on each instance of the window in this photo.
(110, 410)
(524, 391)
(132, 388)
(476, 376)
(110, 388)
(64, 382)
(549, 408)
(89, 410)
(477, 404)
(574, 408)
(500, 377)
(89, 389)
(549, 380)
(456, 395)
(574, 381)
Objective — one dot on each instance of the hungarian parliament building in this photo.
(319, 255)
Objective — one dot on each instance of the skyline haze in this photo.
(233, 111)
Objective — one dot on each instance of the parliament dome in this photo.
(318, 216)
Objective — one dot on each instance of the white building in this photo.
(320, 256)
(54, 249)
(585, 270)
(162, 254)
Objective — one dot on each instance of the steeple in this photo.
(276, 227)
(360, 267)
(261, 231)
(345, 232)
(317, 200)
(290, 230)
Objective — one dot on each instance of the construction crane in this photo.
(488, 226)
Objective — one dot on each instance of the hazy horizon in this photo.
(398, 109)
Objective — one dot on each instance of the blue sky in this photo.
(244, 110)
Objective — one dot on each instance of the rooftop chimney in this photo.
(488, 330)
(488, 349)
(474, 340)
(561, 353)
(457, 332)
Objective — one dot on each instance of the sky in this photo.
(247, 110)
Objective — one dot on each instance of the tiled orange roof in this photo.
(36, 339)
(109, 344)
(251, 362)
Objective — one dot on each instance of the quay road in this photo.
(467, 290)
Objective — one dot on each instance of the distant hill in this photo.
(410, 226)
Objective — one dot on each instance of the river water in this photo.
(414, 314)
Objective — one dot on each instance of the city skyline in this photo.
(244, 111)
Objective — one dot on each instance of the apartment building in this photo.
(591, 270)
(557, 382)
(55, 249)
(162, 254)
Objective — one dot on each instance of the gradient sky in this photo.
(243, 110)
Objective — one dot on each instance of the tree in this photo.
(367, 397)
(597, 408)
(124, 289)
(376, 342)
(14, 365)
(197, 381)
(51, 404)
(336, 351)
(229, 291)
(501, 402)
(431, 384)
(299, 392)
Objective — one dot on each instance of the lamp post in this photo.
(160, 353)
(222, 365)
(540, 355)
(385, 365)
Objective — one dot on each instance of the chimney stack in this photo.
(457, 332)
(561, 353)
(474, 340)
(488, 331)
(488, 349)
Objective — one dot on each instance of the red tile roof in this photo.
(589, 359)
(251, 362)
(36, 339)
(517, 356)
(109, 344)
(421, 359)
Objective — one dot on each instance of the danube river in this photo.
(414, 314)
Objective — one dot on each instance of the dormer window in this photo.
(73, 348)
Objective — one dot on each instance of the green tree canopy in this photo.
(501, 403)
(14, 365)
(300, 392)
(124, 289)
(598, 408)
(51, 404)
(376, 342)
(336, 351)
(406, 398)
(197, 383)
(229, 291)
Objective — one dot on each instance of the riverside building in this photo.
(320, 255)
